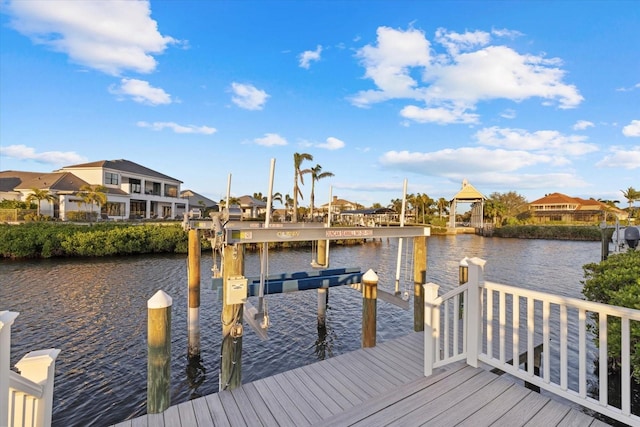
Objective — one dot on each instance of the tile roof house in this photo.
(133, 191)
(251, 207)
(558, 207)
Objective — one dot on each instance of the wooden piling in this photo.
(369, 308)
(231, 353)
(193, 315)
(322, 253)
(159, 353)
(323, 294)
(419, 279)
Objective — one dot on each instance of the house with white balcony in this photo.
(133, 191)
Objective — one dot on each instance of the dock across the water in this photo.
(382, 385)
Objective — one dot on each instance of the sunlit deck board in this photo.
(383, 385)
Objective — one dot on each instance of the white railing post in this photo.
(6, 320)
(474, 310)
(430, 326)
(39, 367)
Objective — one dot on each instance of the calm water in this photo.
(95, 312)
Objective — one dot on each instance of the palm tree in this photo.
(442, 205)
(316, 175)
(631, 194)
(288, 202)
(93, 194)
(39, 195)
(298, 174)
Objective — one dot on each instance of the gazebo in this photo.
(468, 194)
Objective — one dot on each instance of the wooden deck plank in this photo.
(576, 419)
(201, 409)
(473, 403)
(187, 414)
(387, 364)
(380, 379)
(400, 356)
(258, 403)
(524, 410)
(273, 402)
(550, 414)
(321, 375)
(379, 403)
(349, 372)
(231, 408)
(324, 409)
(171, 416)
(155, 420)
(246, 408)
(493, 410)
(427, 406)
(325, 394)
(138, 422)
(216, 410)
(298, 399)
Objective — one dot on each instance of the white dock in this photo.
(376, 386)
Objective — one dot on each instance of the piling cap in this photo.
(370, 276)
(159, 300)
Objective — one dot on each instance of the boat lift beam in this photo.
(290, 234)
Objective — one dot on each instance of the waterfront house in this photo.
(558, 207)
(133, 191)
(198, 202)
(338, 206)
(251, 207)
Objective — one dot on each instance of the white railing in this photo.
(26, 398)
(515, 329)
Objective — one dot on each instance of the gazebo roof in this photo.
(468, 192)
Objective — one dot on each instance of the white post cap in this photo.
(370, 276)
(159, 300)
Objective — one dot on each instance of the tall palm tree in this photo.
(93, 194)
(39, 195)
(632, 195)
(298, 174)
(316, 175)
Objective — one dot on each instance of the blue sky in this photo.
(528, 96)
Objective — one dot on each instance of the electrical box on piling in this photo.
(236, 290)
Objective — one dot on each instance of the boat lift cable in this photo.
(264, 264)
(399, 261)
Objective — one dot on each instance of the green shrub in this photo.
(551, 232)
(616, 281)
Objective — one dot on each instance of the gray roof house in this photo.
(133, 190)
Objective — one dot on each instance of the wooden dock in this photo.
(376, 386)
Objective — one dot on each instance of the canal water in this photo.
(95, 312)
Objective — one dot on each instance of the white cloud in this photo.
(22, 152)
(621, 158)
(438, 115)
(270, 139)
(140, 91)
(456, 42)
(484, 167)
(109, 36)
(309, 55)
(582, 125)
(508, 114)
(404, 65)
(248, 96)
(632, 129)
(389, 64)
(544, 141)
(332, 144)
(468, 159)
(158, 126)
